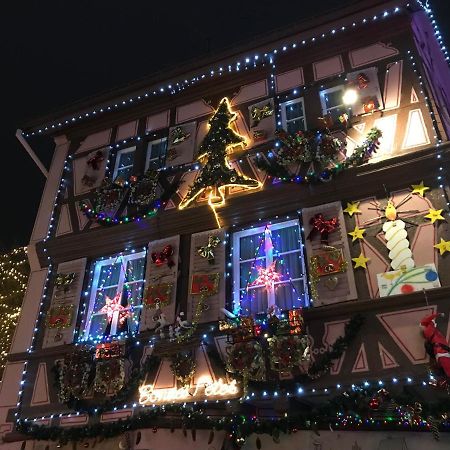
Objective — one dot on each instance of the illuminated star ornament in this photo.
(217, 174)
(443, 246)
(352, 208)
(419, 189)
(357, 233)
(360, 261)
(435, 214)
(113, 307)
(267, 276)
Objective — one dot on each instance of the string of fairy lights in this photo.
(15, 271)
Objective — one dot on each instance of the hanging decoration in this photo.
(73, 375)
(144, 191)
(327, 261)
(178, 135)
(183, 367)
(419, 189)
(205, 283)
(93, 165)
(207, 251)
(108, 350)
(257, 114)
(109, 376)
(287, 352)
(267, 276)
(65, 280)
(435, 343)
(323, 226)
(434, 214)
(60, 316)
(216, 173)
(443, 246)
(158, 295)
(360, 261)
(113, 308)
(163, 257)
(357, 233)
(320, 151)
(352, 208)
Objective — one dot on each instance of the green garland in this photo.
(276, 166)
(350, 410)
(323, 364)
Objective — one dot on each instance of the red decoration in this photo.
(112, 306)
(108, 350)
(158, 295)
(369, 105)
(374, 403)
(363, 80)
(95, 161)
(245, 330)
(436, 342)
(163, 257)
(323, 226)
(267, 276)
(205, 282)
(295, 321)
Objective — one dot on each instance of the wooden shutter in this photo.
(65, 301)
(337, 287)
(157, 276)
(199, 266)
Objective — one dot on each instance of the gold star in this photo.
(419, 189)
(434, 214)
(360, 261)
(443, 246)
(357, 233)
(352, 208)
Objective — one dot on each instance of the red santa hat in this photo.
(430, 318)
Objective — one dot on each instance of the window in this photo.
(293, 115)
(124, 163)
(278, 248)
(156, 154)
(115, 296)
(332, 103)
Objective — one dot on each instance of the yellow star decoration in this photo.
(360, 261)
(357, 233)
(434, 214)
(443, 246)
(352, 208)
(419, 189)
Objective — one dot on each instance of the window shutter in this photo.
(200, 266)
(61, 316)
(160, 282)
(335, 287)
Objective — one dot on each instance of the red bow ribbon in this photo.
(165, 256)
(95, 161)
(323, 226)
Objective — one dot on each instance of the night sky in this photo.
(55, 52)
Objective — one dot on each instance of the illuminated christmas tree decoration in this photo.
(217, 173)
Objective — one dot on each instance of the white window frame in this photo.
(323, 92)
(147, 156)
(118, 154)
(94, 288)
(284, 105)
(268, 261)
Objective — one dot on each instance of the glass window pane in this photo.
(294, 110)
(249, 246)
(135, 269)
(109, 275)
(254, 302)
(158, 149)
(248, 273)
(289, 295)
(286, 239)
(333, 98)
(295, 125)
(290, 265)
(125, 173)
(336, 112)
(126, 159)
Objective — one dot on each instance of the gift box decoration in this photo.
(108, 350)
(60, 316)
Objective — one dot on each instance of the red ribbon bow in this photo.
(95, 160)
(165, 256)
(323, 226)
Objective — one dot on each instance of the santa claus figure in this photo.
(436, 344)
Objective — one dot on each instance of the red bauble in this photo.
(374, 403)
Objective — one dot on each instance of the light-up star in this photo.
(434, 214)
(419, 189)
(357, 233)
(443, 246)
(352, 208)
(113, 308)
(360, 261)
(267, 276)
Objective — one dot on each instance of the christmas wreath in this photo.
(287, 352)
